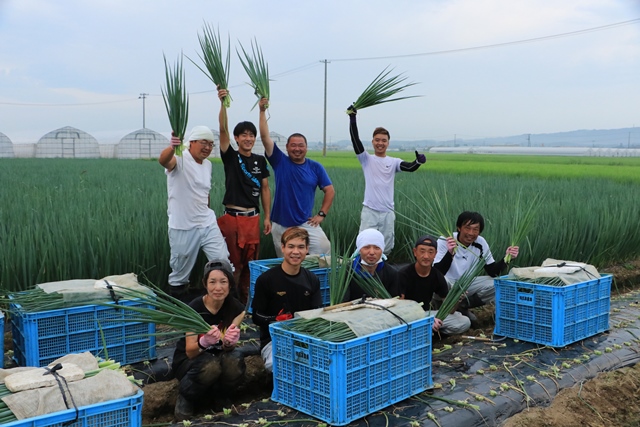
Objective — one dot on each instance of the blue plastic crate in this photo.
(552, 315)
(340, 382)
(256, 268)
(125, 412)
(2, 340)
(41, 337)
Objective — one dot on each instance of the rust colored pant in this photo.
(243, 242)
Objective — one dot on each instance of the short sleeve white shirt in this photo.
(379, 175)
(188, 187)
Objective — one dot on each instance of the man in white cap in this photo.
(192, 224)
(369, 263)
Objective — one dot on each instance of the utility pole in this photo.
(529, 140)
(143, 96)
(324, 127)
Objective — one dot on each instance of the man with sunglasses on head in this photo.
(192, 224)
(246, 187)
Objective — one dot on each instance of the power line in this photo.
(496, 45)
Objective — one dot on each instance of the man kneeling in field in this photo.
(420, 281)
(284, 289)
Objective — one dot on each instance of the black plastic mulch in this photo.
(499, 378)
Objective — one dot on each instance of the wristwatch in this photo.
(322, 214)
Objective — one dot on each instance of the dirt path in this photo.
(610, 399)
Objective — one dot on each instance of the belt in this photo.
(241, 213)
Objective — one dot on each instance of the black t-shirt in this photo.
(276, 291)
(243, 178)
(387, 274)
(222, 319)
(421, 289)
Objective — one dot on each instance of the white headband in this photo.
(368, 237)
(201, 132)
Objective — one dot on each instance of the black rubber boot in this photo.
(184, 409)
(471, 301)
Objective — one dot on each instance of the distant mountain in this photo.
(608, 138)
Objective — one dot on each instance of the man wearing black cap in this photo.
(420, 281)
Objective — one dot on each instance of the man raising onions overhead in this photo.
(192, 224)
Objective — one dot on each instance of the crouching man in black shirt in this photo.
(284, 289)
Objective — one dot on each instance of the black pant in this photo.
(209, 373)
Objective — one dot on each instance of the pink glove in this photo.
(232, 336)
(513, 251)
(175, 142)
(451, 244)
(210, 338)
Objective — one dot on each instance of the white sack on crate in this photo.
(569, 272)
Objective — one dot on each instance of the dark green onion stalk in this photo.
(381, 89)
(215, 67)
(257, 70)
(523, 219)
(176, 100)
(459, 288)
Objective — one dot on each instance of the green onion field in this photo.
(75, 219)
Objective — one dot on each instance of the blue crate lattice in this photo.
(125, 412)
(340, 382)
(41, 337)
(552, 315)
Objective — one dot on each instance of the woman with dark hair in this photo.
(207, 364)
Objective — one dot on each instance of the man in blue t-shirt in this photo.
(296, 180)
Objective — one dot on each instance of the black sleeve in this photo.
(409, 166)
(495, 269)
(355, 138)
(445, 263)
(442, 288)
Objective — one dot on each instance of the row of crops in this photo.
(68, 219)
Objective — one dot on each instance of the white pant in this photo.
(267, 357)
(384, 222)
(483, 287)
(185, 245)
(453, 324)
(318, 241)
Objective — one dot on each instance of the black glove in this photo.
(420, 158)
(351, 110)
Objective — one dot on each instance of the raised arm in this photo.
(225, 138)
(413, 166)
(264, 128)
(265, 198)
(353, 131)
(167, 157)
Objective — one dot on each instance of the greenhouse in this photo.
(141, 144)
(6, 146)
(69, 143)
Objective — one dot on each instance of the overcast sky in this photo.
(84, 64)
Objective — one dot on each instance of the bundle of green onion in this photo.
(549, 281)
(340, 274)
(523, 218)
(380, 89)
(320, 328)
(460, 287)
(257, 70)
(34, 300)
(176, 100)
(216, 69)
(168, 311)
(430, 214)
